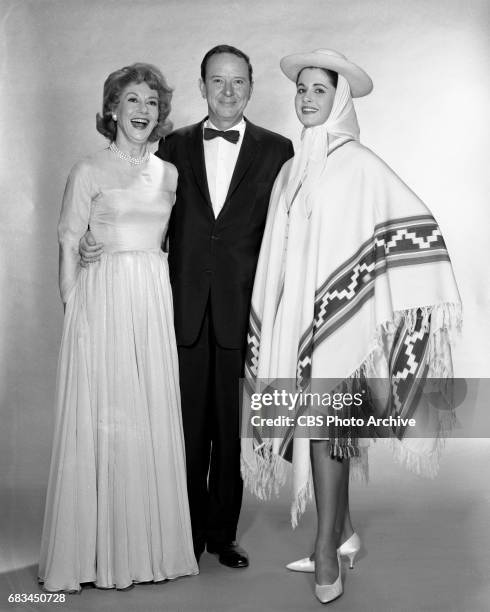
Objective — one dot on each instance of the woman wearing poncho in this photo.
(353, 282)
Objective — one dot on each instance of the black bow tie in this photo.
(230, 135)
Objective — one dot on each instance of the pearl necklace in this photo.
(135, 161)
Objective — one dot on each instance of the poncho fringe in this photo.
(270, 471)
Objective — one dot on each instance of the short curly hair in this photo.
(117, 81)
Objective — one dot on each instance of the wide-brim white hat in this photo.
(359, 81)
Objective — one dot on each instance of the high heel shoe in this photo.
(349, 549)
(329, 592)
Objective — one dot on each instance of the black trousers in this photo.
(209, 382)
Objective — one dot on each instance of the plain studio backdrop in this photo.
(427, 118)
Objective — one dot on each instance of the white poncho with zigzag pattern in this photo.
(353, 277)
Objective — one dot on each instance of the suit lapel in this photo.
(196, 157)
(248, 151)
(247, 154)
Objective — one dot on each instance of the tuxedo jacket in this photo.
(213, 260)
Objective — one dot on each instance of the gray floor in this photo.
(427, 548)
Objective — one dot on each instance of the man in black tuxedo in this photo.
(227, 167)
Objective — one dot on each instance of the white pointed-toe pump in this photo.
(350, 548)
(329, 592)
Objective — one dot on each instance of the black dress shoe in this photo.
(229, 554)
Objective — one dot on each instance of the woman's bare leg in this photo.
(328, 479)
(344, 523)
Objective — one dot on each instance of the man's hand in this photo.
(90, 251)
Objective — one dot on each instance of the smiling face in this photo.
(137, 115)
(227, 89)
(315, 94)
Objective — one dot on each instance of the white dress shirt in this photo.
(220, 157)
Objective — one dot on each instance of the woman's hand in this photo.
(90, 251)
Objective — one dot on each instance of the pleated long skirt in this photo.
(117, 509)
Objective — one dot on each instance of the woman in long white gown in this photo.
(116, 509)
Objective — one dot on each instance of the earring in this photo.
(114, 117)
